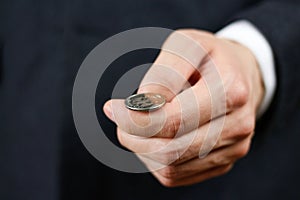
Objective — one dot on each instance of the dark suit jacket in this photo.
(42, 44)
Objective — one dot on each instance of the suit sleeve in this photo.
(279, 22)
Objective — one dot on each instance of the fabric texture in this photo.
(42, 45)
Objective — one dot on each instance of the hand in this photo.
(170, 140)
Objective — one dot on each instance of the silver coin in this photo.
(145, 102)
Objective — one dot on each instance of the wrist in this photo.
(247, 34)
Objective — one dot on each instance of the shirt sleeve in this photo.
(246, 33)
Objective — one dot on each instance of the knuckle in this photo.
(186, 31)
(226, 169)
(237, 94)
(247, 125)
(193, 33)
(169, 172)
(242, 150)
(168, 182)
(219, 161)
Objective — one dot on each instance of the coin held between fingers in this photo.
(145, 102)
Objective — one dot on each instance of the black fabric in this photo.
(42, 44)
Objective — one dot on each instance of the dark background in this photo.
(42, 45)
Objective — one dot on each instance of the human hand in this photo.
(222, 98)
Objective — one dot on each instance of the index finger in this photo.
(180, 56)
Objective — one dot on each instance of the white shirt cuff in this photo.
(247, 34)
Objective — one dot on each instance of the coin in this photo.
(145, 102)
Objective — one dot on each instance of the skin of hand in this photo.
(152, 136)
